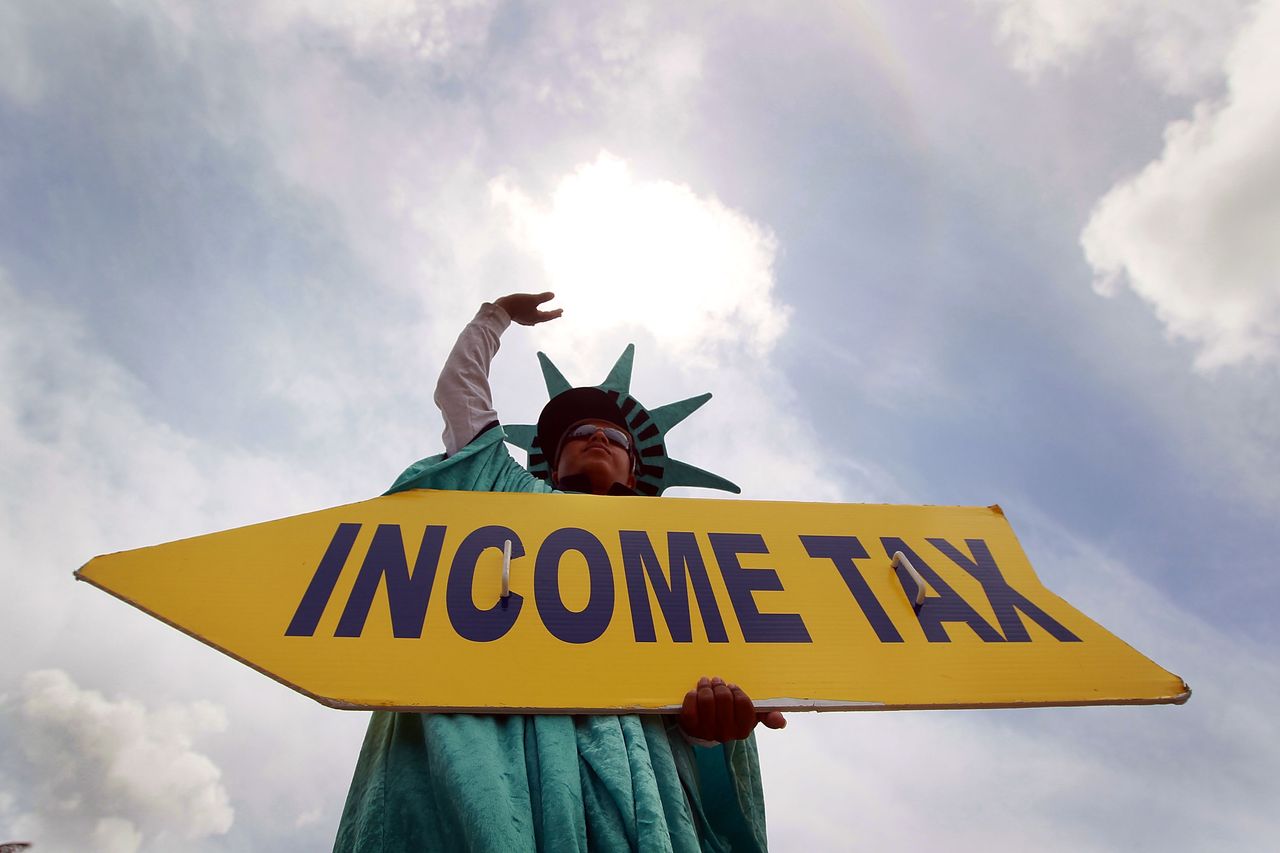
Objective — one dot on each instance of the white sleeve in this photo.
(462, 391)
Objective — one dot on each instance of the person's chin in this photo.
(597, 467)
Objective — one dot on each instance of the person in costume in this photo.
(558, 782)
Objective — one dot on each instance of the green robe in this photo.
(550, 782)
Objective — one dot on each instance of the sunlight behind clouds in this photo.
(691, 282)
(627, 253)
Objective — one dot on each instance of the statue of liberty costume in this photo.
(545, 782)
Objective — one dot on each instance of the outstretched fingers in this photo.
(523, 308)
(540, 316)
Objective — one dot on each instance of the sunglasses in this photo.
(614, 436)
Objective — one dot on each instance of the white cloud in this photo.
(636, 59)
(427, 30)
(634, 255)
(308, 818)
(73, 423)
(88, 470)
(1194, 234)
(107, 774)
(1177, 44)
(116, 835)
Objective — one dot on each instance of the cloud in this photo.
(1194, 234)
(94, 466)
(88, 469)
(116, 835)
(432, 31)
(640, 60)
(1176, 44)
(109, 774)
(630, 254)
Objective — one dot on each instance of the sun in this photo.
(627, 253)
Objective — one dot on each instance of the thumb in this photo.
(773, 720)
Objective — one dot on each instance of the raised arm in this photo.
(462, 391)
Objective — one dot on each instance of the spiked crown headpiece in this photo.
(612, 400)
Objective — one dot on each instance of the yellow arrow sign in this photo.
(622, 603)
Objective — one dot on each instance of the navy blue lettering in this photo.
(316, 598)
(756, 627)
(469, 621)
(639, 559)
(408, 596)
(942, 607)
(588, 624)
(1005, 600)
(842, 551)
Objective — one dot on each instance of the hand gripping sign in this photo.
(618, 604)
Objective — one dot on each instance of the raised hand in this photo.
(523, 307)
(715, 710)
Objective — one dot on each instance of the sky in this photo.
(995, 251)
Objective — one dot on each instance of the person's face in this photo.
(594, 455)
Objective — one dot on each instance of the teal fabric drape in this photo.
(542, 783)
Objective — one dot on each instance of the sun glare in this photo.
(624, 253)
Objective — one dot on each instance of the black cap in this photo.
(570, 407)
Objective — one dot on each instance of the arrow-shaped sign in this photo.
(619, 603)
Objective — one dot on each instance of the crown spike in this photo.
(551, 375)
(619, 378)
(521, 435)
(649, 427)
(679, 473)
(673, 413)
